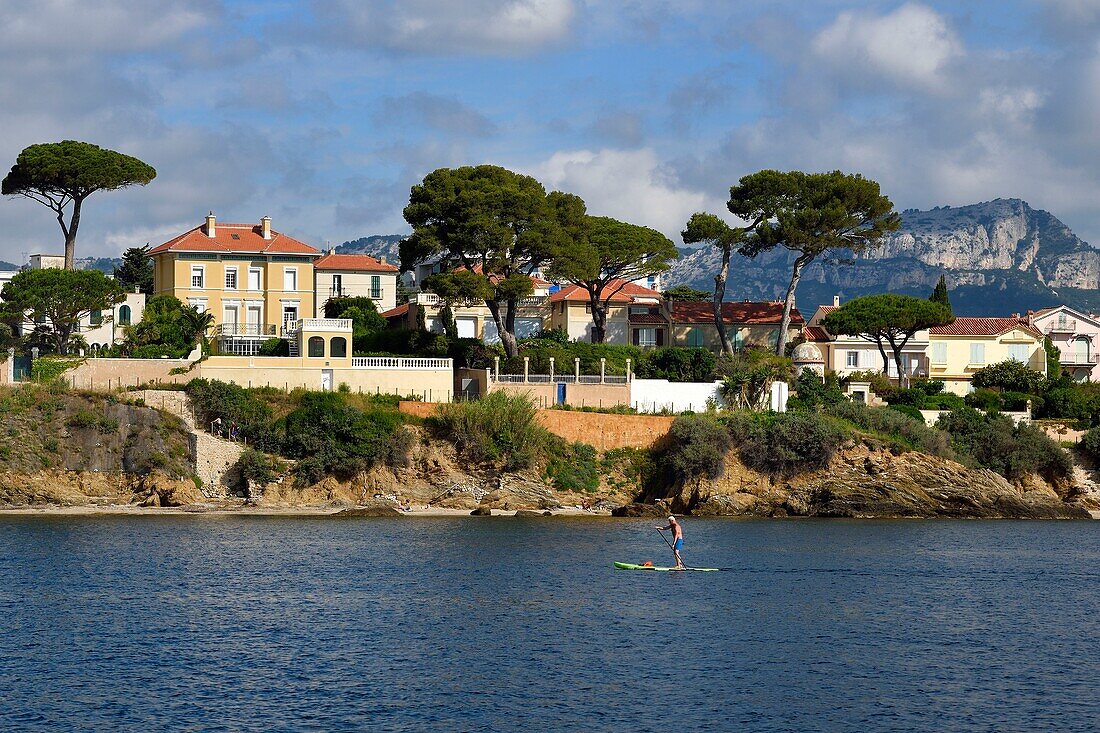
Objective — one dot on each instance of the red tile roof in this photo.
(817, 334)
(625, 293)
(394, 312)
(353, 263)
(234, 238)
(968, 326)
(494, 279)
(647, 318)
(744, 311)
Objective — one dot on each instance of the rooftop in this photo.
(970, 326)
(352, 263)
(244, 238)
(622, 292)
(742, 312)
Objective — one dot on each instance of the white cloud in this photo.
(444, 26)
(912, 46)
(626, 184)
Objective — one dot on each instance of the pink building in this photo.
(1077, 336)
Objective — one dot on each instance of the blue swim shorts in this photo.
(679, 545)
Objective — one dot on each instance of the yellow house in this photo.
(634, 314)
(253, 279)
(958, 350)
(747, 323)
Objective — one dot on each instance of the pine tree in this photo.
(939, 295)
(136, 270)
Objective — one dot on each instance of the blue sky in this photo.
(322, 114)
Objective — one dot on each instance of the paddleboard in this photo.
(632, 566)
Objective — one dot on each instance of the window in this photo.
(375, 286)
(124, 315)
(587, 307)
(1018, 352)
(290, 279)
(198, 304)
(852, 360)
(977, 353)
(695, 337)
(939, 353)
(645, 337)
(231, 278)
(338, 347)
(96, 318)
(254, 278)
(316, 346)
(337, 285)
(290, 314)
(197, 276)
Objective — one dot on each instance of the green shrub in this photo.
(234, 404)
(48, 369)
(911, 397)
(573, 467)
(880, 383)
(696, 448)
(900, 429)
(943, 401)
(929, 386)
(257, 467)
(275, 347)
(908, 410)
(89, 419)
(1017, 401)
(1090, 444)
(328, 436)
(499, 428)
(814, 393)
(993, 441)
(985, 399)
(677, 364)
(786, 443)
(1009, 376)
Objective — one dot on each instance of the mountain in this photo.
(377, 245)
(999, 257)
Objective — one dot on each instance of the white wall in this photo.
(654, 395)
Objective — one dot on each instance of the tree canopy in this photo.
(814, 213)
(686, 293)
(167, 328)
(887, 319)
(603, 255)
(136, 270)
(59, 174)
(60, 298)
(498, 224)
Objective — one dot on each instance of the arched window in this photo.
(124, 315)
(316, 346)
(97, 318)
(338, 347)
(695, 337)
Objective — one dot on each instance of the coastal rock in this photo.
(379, 510)
(533, 513)
(482, 511)
(160, 490)
(640, 509)
(868, 482)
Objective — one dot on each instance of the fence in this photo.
(399, 362)
(559, 378)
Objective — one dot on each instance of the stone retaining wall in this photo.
(600, 430)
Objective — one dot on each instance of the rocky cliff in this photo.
(999, 257)
(865, 481)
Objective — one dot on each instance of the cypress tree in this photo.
(939, 295)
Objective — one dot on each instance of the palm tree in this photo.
(195, 324)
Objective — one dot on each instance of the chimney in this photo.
(211, 220)
(836, 301)
(265, 227)
(382, 260)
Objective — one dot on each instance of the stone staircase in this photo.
(215, 458)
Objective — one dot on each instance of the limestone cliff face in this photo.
(871, 482)
(999, 257)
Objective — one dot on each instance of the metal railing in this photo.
(1067, 326)
(399, 362)
(532, 301)
(1079, 359)
(245, 329)
(354, 292)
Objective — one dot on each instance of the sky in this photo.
(322, 114)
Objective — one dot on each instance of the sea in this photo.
(261, 623)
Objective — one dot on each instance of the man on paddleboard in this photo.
(677, 539)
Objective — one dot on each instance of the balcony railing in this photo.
(1072, 359)
(246, 329)
(353, 292)
(431, 299)
(291, 328)
(398, 362)
(1067, 326)
(558, 379)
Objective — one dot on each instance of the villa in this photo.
(634, 314)
(747, 323)
(958, 350)
(847, 354)
(1076, 335)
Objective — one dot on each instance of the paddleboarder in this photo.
(677, 539)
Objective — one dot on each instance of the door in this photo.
(1081, 346)
(326, 380)
(561, 393)
(252, 318)
(230, 318)
(290, 315)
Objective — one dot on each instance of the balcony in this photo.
(1079, 360)
(1063, 326)
(347, 291)
(399, 362)
(256, 330)
(431, 299)
(291, 328)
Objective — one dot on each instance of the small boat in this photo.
(632, 566)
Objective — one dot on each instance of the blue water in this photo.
(207, 623)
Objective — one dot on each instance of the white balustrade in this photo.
(399, 362)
